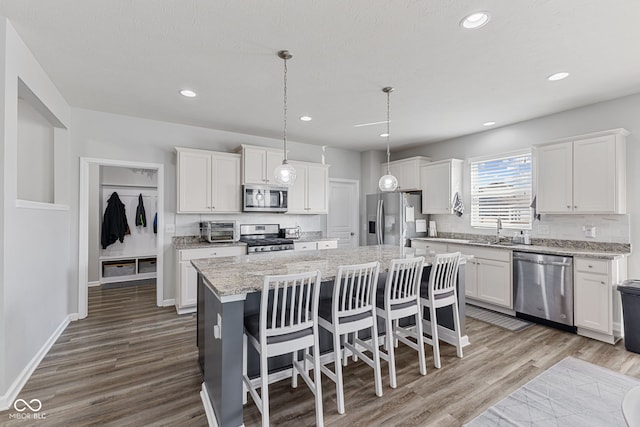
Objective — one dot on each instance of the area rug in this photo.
(570, 393)
(508, 322)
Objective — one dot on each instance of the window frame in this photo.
(506, 223)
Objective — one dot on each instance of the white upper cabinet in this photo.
(586, 174)
(208, 181)
(439, 182)
(407, 171)
(309, 193)
(259, 164)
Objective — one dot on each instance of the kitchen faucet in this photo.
(498, 228)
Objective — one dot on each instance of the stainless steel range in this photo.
(263, 238)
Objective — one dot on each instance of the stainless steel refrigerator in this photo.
(389, 218)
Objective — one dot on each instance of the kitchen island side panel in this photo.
(223, 357)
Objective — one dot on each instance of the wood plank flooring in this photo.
(132, 363)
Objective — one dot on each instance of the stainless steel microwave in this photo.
(263, 198)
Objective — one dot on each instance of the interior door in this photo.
(342, 219)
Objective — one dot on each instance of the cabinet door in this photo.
(254, 162)
(471, 278)
(226, 187)
(592, 302)
(435, 182)
(273, 160)
(554, 171)
(194, 182)
(298, 191)
(494, 282)
(594, 175)
(188, 294)
(317, 189)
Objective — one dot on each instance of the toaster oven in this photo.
(218, 231)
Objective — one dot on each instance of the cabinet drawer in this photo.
(328, 244)
(592, 265)
(429, 245)
(305, 246)
(189, 254)
(482, 253)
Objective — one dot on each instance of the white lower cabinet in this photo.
(597, 307)
(488, 275)
(187, 276)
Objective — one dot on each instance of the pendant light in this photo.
(285, 173)
(388, 182)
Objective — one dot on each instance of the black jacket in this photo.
(114, 225)
(141, 215)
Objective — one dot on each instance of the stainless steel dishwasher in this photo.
(543, 288)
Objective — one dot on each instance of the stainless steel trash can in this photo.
(630, 293)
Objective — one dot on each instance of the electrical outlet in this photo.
(543, 229)
(589, 230)
(169, 228)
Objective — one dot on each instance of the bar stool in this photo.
(287, 323)
(442, 292)
(352, 309)
(399, 299)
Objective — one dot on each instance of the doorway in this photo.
(344, 212)
(84, 230)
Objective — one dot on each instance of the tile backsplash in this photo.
(608, 228)
(187, 224)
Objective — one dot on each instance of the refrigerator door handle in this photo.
(381, 222)
(378, 223)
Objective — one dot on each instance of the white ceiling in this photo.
(132, 57)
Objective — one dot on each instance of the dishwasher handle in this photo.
(555, 263)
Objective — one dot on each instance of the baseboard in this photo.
(186, 310)
(8, 398)
(91, 284)
(488, 306)
(208, 409)
(169, 302)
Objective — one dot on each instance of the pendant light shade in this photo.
(388, 182)
(285, 174)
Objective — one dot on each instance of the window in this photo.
(501, 188)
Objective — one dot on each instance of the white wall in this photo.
(110, 136)
(35, 155)
(618, 113)
(35, 266)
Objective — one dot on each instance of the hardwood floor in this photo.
(132, 363)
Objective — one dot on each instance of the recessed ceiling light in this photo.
(488, 123)
(558, 76)
(475, 20)
(384, 135)
(305, 118)
(188, 93)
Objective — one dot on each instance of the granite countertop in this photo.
(245, 273)
(195, 242)
(556, 247)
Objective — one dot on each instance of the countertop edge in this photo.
(531, 248)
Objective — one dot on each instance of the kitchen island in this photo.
(229, 288)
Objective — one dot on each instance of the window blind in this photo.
(501, 188)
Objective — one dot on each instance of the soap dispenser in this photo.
(527, 238)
